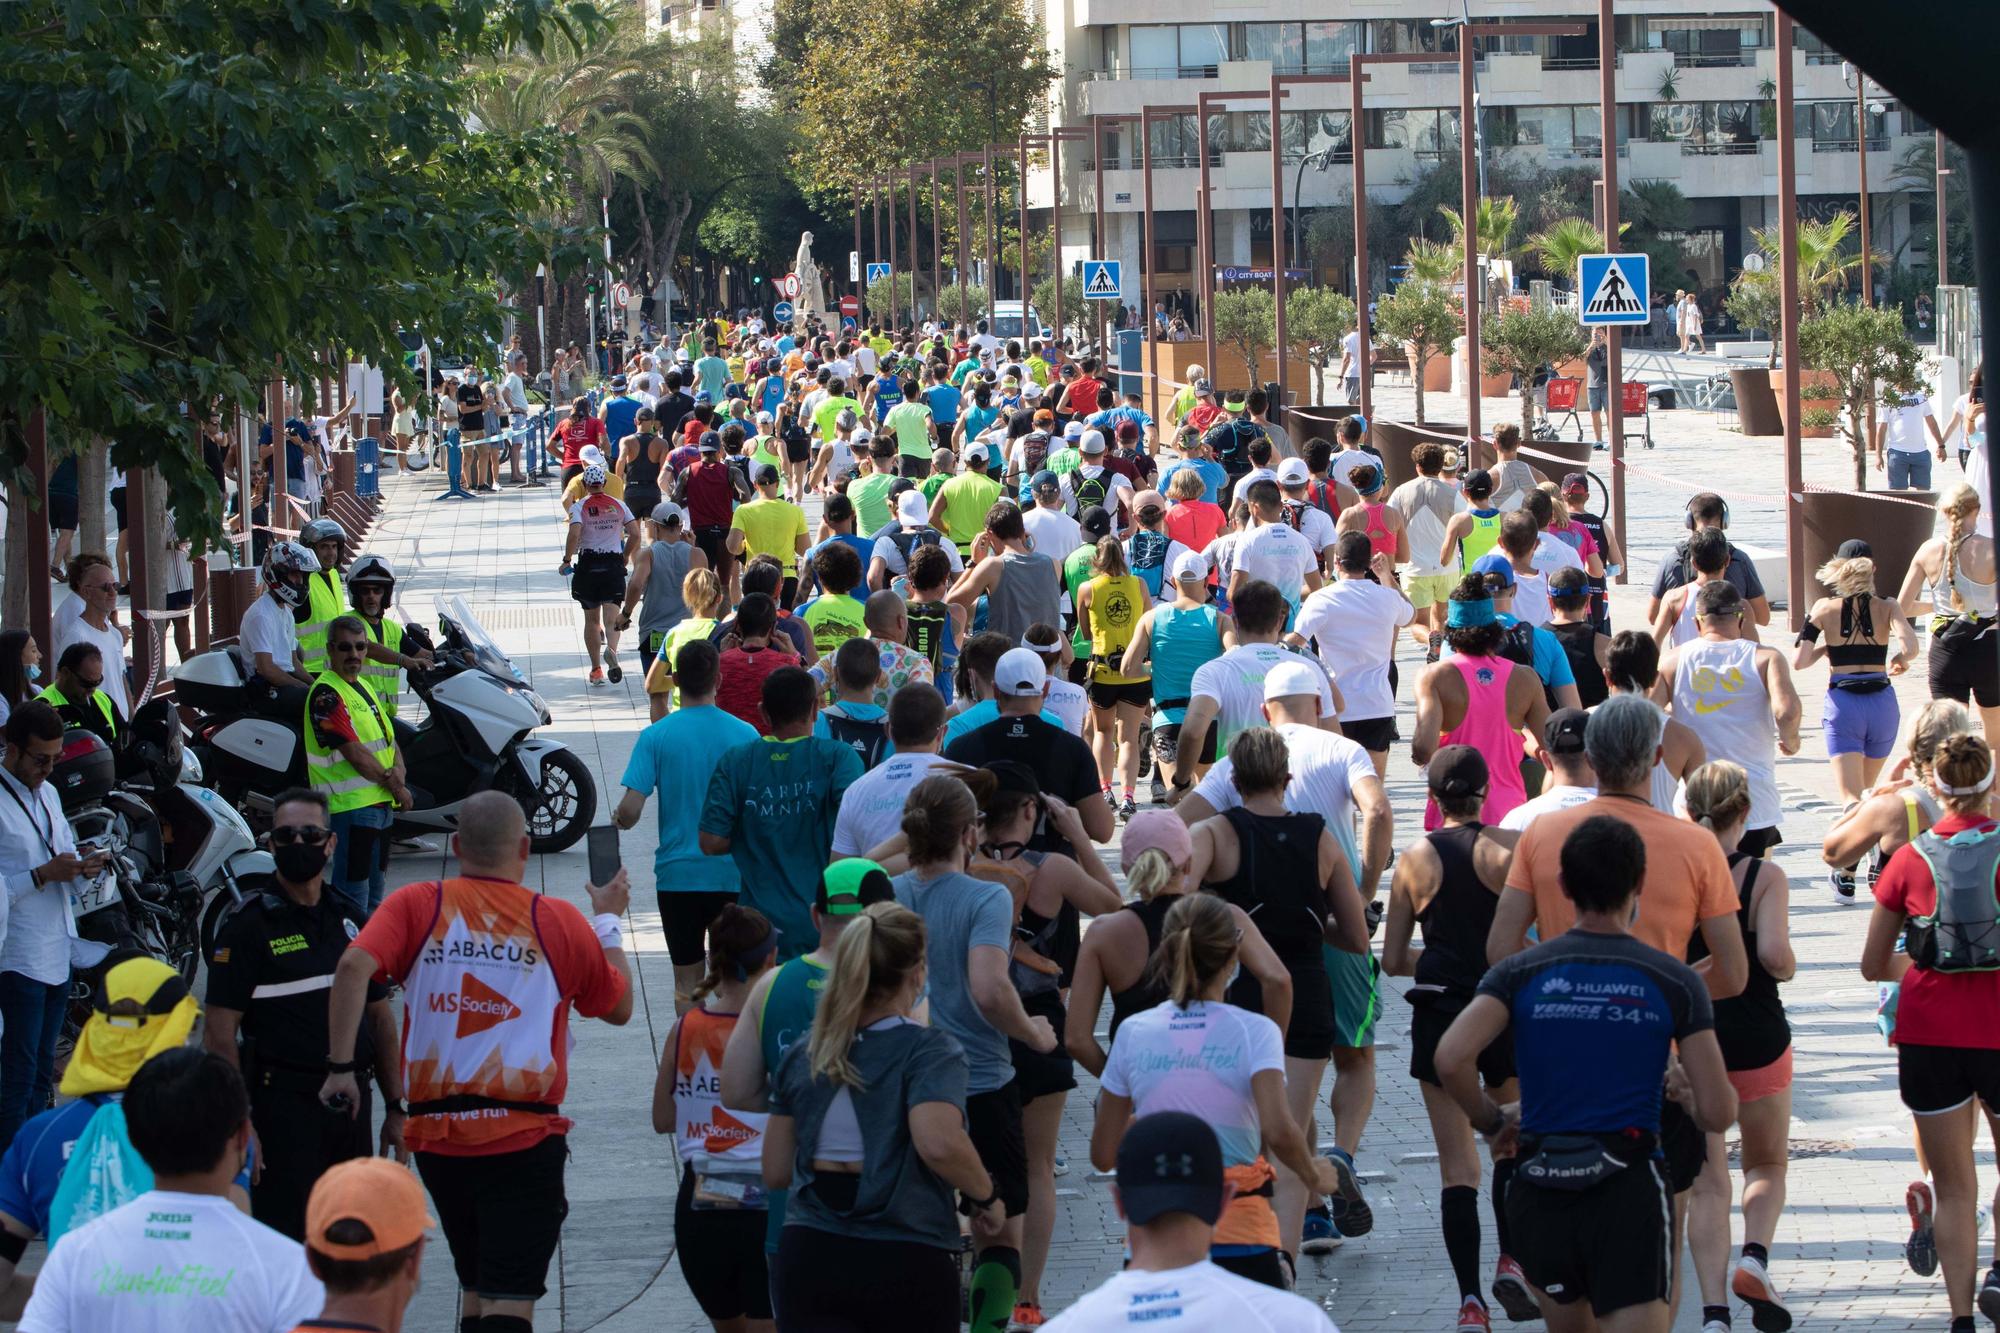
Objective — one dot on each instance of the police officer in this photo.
(268, 979)
(77, 693)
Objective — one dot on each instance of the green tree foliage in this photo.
(1653, 214)
(1825, 266)
(1566, 241)
(877, 300)
(1432, 261)
(1520, 342)
(971, 308)
(1319, 317)
(1493, 222)
(1755, 303)
(1246, 319)
(1424, 317)
(197, 195)
(1863, 347)
(1076, 315)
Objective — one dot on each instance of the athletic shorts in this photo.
(599, 580)
(1428, 1024)
(1311, 1033)
(722, 1256)
(1595, 400)
(993, 1121)
(1862, 723)
(1936, 1079)
(1754, 1085)
(180, 601)
(1611, 1245)
(62, 512)
(798, 451)
(1428, 589)
(118, 507)
(1167, 743)
(1371, 733)
(1965, 659)
(1356, 979)
(685, 917)
(1683, 1147)
(914, 466)
(501, 1216)
(1109, 694)
(570, 472)
(1037, 1074)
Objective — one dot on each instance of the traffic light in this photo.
(756, 280)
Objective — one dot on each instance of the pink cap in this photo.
(1155, 828)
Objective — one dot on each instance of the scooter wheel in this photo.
(561, 806)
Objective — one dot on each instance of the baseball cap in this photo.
(1170, 1162)
(1149, 502)
(1563, 732)
(1190, 567)
(851, 885)
(710, 442)
(912, 510)
(1155, 828)
(862, 435)
(379, 1195)
(702, 398)
(618, 382)
(975, 452)
(1093, 442)
(765, 416)
(1457, 770)
(666, 511)
(1855, 549)
(1046, 480)
(1095, 520)
(1020, 672)
(734, 390)
(1073, 431)
(1478, 482)
(1128, 429)
(1291, 678)
(1576, 482)
(1294, 472)
(1203, 389)
(1031, 391)
(593, 475)
(590, 454)
(767, 475)
(1495, 564)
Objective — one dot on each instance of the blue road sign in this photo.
(1614, 289)
(782, 312)
(877, 272)
(1100, 279)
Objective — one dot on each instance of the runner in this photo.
(1709, 510)
(1708, 555)
(1478, 698)
(1177, 638)
(1569, 766)
(1959, 569)
(1449, 882)
(1354, 622)
(1019, 583)
(1374, 517)
(963, 504)
(1861, 716)
(1575, 498)
(1583, 643)
(1632, 666)
(603, 535)
(1228, 692)
(1051, 530)
(659, 571)
(1475, 530)
(1427, 503)
(1111, 605)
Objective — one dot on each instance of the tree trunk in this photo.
(1527, 413)
(1417, 363)
(1855, 438)
(14, 600)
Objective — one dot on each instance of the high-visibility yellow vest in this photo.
(56, 699)
(326, 603)
(385, 678)
(329, 770)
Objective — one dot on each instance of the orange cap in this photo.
(383, 1197)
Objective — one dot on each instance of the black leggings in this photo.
(828, 1283)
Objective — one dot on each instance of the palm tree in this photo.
(1559, 249)
(1494, 219)
(1434, 261)
(1824, 267)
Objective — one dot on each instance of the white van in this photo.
(1006, 322)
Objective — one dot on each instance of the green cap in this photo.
(849, 887)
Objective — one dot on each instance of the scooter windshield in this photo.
(479, 645)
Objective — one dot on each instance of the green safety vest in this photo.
(329, 770)
(326, 601)
(384, 678)
(56, 699)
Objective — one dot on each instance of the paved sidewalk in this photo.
(1838, 1254)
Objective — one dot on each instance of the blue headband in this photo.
(1470, 615)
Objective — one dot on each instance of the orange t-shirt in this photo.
(490, 970)
(1687, 876)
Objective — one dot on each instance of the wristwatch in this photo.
(395, 1105)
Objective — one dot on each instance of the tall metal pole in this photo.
(1021, 221)
(914, 175)
(992, 242)
(1278, 254)
(1055, 224)
(1146, 254)
(1204, 227)
(958, 180)
(937, 245)
(35, 518)
(895, 274)
(1861, 157)
(1942, 172)
(1098, 249)
(1357, 142)
(1469, 182)
(1788, 290)
(1614, 374)
(859, 271)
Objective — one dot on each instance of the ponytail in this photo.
(874, 956)
(740, 943)
(1961, 508)
(1153, 871)
(1718, 794)
(1197, 942)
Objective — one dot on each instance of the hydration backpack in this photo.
(1517, 645)
(1090, 490)
(1962, 934)
(1147, 555)
(907, 540)
(870, 740)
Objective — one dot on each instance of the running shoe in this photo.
(612, 671)
(1510, 1288)
(597, 675)
(1752, 1285)
(1318, 1237)
(1062, 1165)
(1989, 1295)
(1436, 646)
(1716, 1326)
(1127, 808)
(1159, 789)
(1028, 1315)
(1843, 885)
(1472, 1317)
(1111, 798)
(1920, 1250)
(1349, 1208)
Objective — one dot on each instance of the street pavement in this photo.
(1838, 1254)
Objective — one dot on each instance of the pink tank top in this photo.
(1486, 730)
(1380, 538)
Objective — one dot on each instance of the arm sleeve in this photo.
(937, 1070)
(394, 932)
(332, 727)
(14, 1191)
(296, 1295)
(993, 923)
(718, 813)
(1204, 685)
(847, 771)
(1521, 870)
(592, 982)
(1553, 666)
(1114, 1080)
(48, 1308)
(1752, 585)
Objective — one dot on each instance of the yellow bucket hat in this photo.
(139, 1007)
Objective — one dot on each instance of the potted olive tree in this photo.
(1753, 302)
(1519, 343)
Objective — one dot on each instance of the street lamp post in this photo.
(1942, 172)
(1614, 337)
(958, 181)
(916, 174)
(1278, 93)
(1358, 65)
(889, 188)
(859, 272)
(992, 233)
(1861, 110)
(937, 242)
(1788, 323)
(1021, 218)
(1147, 115)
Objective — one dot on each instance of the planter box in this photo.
(1323, 422)
(1815, 389)
(1437, 370)
(1756, 402)
(1393, 440)
(1894, 530)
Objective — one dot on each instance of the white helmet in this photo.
(372, 569)
(287, 566)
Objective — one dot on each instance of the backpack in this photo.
(1517, 645)
(1147, 555)
(870, 740)
(104, 1171)
(1324, 496)
(1034, 453)
(1090, 490)
(1962, 934)
(907, 540)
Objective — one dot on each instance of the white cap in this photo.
(1019, 672)
(666, 511)
(1031, 390)
(863, 436)
(1190, 566)
(1294, 472)
(1289, 678)
(1073, 431)
(1093, 442)
(912, 509)
(975, 450)
(589, 454)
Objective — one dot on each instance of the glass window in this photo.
(1171, 141)
(1203, 46)
(1283, 44)
(1427, 131)
(1155, 51)
(1329, 46)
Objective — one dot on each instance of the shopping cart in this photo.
(1561, 395)
(1636, 404)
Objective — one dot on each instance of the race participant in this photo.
(838, 522)
(871, 810)
(1150, 549)
(1354, 622)
(890, 557)
(1738, 697)
(936, 627)
(1019, 583)
(1449, 882)
(1373, 517)
(1589, 1202)
(1228, 692)
(1568, 765)
(1708, 555)
(1095, 484)
(573, 433)
(1302, 514)
(719, 1217)
(863, 1204)
(1632, 666)
(1289, 867)
(1861, 716)
(1899, 808)
(1051, 530)
(710, 492)
(767, 525)
(971, 928)
(963, 504)
(1937, 894)
(353, 761)
(1477, 697)
(495, 1177)
(1529, 588)
(365, 1237)
(1513, 478)
(655, 586)
(1196, 462)
(869, 489)
(839, 612)
(1756, 1042)
(1959, 570)
(1110, 605)
(603, 535)
(371, 595)
(1224, 1062)
(641, 457)
(1575, 498)
(1475, 530)
(1709, 510)
(1176, 638)
(1583, 643)
(1427, 503)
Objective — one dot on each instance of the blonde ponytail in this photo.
(1197, 943)
(1153, 871)
(1718, 794)
(1960, 506)
(875, 954)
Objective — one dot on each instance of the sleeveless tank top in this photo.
(1665, 788)
(708, 1135)
(1455, 921)
(1380, 539)
(643, 474)
(931, 633)
(1485, 729)
(1116, 603)
(1718, 692)
(1147, 992)
(1027, 590)
(1485, 535)
(1512, 480)
(1579, 645)
(1277, 882)
(1685, 630)
(1183, 638)
(1980, 598)
(1750, 1027)
(663, 607)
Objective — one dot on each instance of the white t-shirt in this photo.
(1221, 555)
(603, 521)
(1315, 525)
(1903, 426)
(1200, 1296)
(1355, 622)
(268, 627)
(1199, 1060)
(170, 1263)
(1052, 532)
(985, 342)
(1553, 553)
(1235, 681)
(1279, 556)
(1344, 462)
(111, 644)
(1531, 598)
(864, 359)
(1550, 801)
(871, 812)
(1350, 347)
(891, 555)
(1070, 702)
(1325, 769)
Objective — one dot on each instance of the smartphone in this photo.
(604, 858)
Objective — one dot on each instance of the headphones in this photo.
(1688, 516)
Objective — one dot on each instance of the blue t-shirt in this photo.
(620, 415)
(979, 715)
(944, 400)
(675, 757)
(962, 914)
(295, 453)
(1605, 1003)
(35, 1160)
(775, 800)
(711, 375)
(1211, 474)
(1107, 420)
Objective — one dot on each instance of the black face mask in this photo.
(300, 863)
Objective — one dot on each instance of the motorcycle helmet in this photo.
(372, 569)
(322, 530)
(287, 566)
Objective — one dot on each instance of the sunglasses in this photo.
(311, 835)
(358, 648)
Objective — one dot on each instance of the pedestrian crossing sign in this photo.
(876, 273)
(1614, 289)
(1100, 279)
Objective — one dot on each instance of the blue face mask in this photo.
(34, 671)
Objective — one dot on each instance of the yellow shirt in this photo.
(1116, 603)
(614, 486)
(770, 527)
(967, 497)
